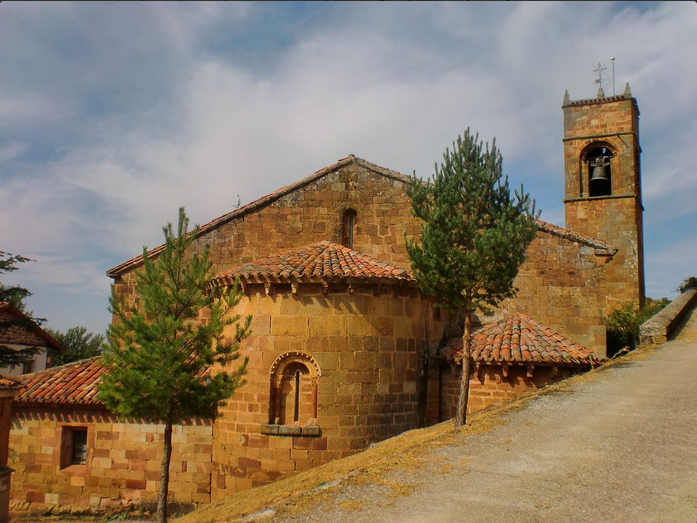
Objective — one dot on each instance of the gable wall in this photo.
(311, 214)
(562, 285)
(18, 334)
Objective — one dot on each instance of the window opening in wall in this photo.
(28, 367)
(73, 446)
(599, 162)
(349, 228)
(295, 393)
(79, 456)
(296, 414)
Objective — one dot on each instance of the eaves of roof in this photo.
(50, 340)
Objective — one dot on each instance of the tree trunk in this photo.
(164, 475)
(461, 415)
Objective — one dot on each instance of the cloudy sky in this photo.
(112, 115)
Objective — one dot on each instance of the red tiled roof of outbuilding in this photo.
(9, 383)
(72, 383)
(520, 340)
(315, 262)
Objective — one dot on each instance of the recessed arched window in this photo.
(599, 171)
(349, 228)
(294, 378)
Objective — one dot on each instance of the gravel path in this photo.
(621, 448)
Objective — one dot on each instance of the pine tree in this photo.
(14, 296)
(77, 344)
(159, 356)
(474, 236)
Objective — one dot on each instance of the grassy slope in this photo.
(404, 452)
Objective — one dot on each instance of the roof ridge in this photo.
(518, 338)
(575, 236)
(263, 201)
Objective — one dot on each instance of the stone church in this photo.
(344, 349)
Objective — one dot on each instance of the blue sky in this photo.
(112, 115)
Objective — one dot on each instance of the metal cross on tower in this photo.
(599, 70)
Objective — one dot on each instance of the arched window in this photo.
(294, 378)
(599, 169)
(349, 228)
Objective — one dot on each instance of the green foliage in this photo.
(15, 296)
(78, 344)
(624, 322)
(158, 356)
(688, 283)
(474, 233)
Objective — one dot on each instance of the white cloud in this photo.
(144, 110)
(11, 150)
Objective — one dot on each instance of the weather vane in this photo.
(599, 70)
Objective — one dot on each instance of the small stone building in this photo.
(68, 449)
(512, 356)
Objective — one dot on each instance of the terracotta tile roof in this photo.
(9, 383)
(318, 261)
(73, 383)
(264, 201)
(517, 340)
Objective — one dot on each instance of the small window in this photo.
(74, 446)
(349, 228)
(28, 367)
(294, 380)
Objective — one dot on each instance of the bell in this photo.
(599, 174)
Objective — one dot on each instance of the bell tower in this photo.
(602, 174)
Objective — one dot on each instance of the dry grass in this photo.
(404, 453)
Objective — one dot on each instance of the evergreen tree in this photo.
(159, 356)
(474, 236)
(688, 283)
(77, 343)
(14, 295)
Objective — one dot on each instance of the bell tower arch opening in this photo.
(598, 166)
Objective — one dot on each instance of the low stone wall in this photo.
(122, 463)
(660, 327)
(488, 386)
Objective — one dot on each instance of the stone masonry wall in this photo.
(122, 465)
(562, 285)
(18, 334)
(314, 212)
(5, 416)
(367, 349)
(311, 214)
(615, 219)
(487, 387)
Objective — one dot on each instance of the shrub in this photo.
(623, 324)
